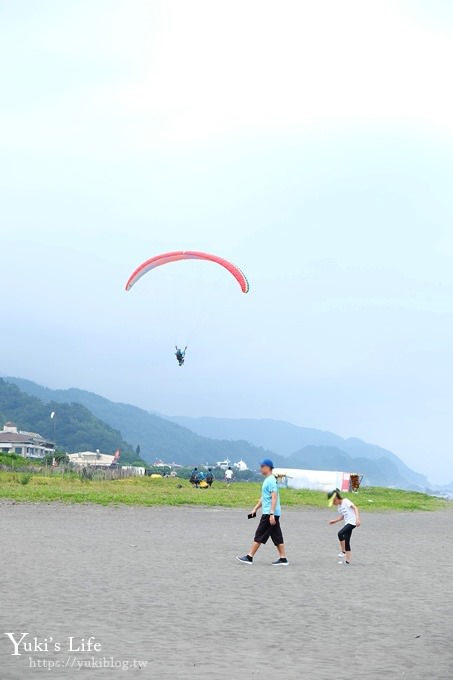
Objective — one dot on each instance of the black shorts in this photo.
(345, 535)
(266, 530)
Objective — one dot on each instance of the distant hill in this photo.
(279, 436)
(285, 439)
(190, 441)
(76, 429)
(156, 436)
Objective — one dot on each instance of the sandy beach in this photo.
(161, 587)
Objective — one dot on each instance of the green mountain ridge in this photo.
(182, 440)
(156, 436)
(75, 428)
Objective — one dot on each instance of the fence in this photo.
(88, 473)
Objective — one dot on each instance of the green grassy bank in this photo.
(145, 491)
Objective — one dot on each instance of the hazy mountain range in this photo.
(191, 441)
(75, 428)
(156, 436)
(306, 445)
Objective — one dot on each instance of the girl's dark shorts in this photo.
(265, 530)
(345, 535)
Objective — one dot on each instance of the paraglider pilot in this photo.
(180, 355)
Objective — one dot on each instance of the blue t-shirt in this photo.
(269, 487)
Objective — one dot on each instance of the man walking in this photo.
(269, 526)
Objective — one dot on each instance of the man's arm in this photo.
(274, 497)
(257, 506)
(334, 521)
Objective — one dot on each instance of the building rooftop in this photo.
(10, 437)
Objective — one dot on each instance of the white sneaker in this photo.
(341, 555)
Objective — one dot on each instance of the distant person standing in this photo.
(209, 477)
(229, 476)
(194, 477)
(351, 516)
(269, 526)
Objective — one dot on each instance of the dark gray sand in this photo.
(161, 586)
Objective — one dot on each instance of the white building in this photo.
(317, 480)
(91, 459)
(223, 464)
(241, 465)
(26, 444)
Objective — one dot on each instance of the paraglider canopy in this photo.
(177, 255)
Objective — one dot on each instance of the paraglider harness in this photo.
(180, 355)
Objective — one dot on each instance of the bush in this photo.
(24, 479)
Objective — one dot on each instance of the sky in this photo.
(309, 143)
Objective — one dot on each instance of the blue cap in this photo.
(268, 462)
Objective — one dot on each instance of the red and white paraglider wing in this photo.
(177, 255)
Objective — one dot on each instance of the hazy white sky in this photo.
(311, 143)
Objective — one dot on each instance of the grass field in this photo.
(166, 491)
